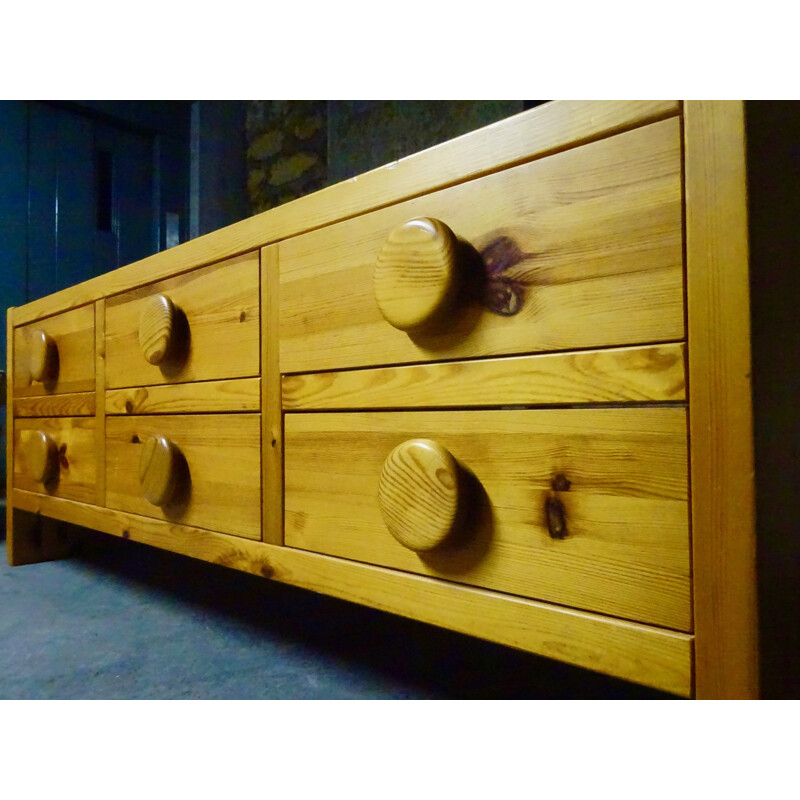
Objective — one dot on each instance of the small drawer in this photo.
(55, 355)
(202, 470)
(56, 457)
(575, 250)
(201, 325)
(586, 508)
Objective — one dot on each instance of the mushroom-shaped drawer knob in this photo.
(41, 456)
(421, 494)
(160, 470)
(157, 328)
(417, 272)
(42, 356)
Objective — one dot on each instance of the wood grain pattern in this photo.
(240, 394)
(723, 507)
(621, 475)
(79, 404)
(100, 411)
(581, 249)
(75, 440)
(223, 456)
(271, 413)
(417, 272)
(617, 375)
(650, 656)
(221, 321)
(554, 126)
(157, 328)
(421, 494)
(73, 336)
(159, 473)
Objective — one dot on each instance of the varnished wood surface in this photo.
(223, 456)
(723, 505)
(619, 474)
(581, 249)
(57, 405)
(551, 127)
(220, 335)
(271, 412)
(73, 336)
(75, 442)
(100, 410)
(159, 470)
(421, 494)
(650, 656)
(157, 328)
(416, 277)
(240, 394)
(616, 375)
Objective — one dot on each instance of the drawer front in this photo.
(579, 249)
(214, 474)
(55, 355)
(202, 325)
(56, 457)
(582, 507)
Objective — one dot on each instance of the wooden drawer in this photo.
(582, 507)
(215, 472)
(201, 325)
(56, 457)
(579, 249)
(55, 355)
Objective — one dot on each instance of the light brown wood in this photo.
(37, 538)
(223, 461)
(240, 394)
(9, 412)
(42, 356)
(41, 457)
(417, 274)
(217, 333)
(271, 412)
(620, 475)
(157, 328)
(61, 350)
(617, 375)
(420, 494)
(723, 507)
(74, 440)
(555, 275)
(57, 405)
(554, 126)
(650, 656)
(160, 470)
(100, 411)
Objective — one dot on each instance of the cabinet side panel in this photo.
(720, 409)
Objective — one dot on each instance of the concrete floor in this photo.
(121, 620)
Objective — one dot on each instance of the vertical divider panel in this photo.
(271, 405)
(720, 402)
(100, 398)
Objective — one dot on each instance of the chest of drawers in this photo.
(501, 386)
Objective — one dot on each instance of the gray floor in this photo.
(122, 620)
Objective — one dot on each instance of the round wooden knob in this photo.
(42, 356)
(420, 494)
(416, 274)
(41, 456)
(159, 470)
(157, 328)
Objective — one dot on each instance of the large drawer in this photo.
(582, 507)
(55, 355)
(579, 249)
(201, 325)
(56, 457)
(210, 477)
